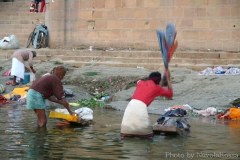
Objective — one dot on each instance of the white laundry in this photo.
(210, 111)
(85, 113)
(220, 71)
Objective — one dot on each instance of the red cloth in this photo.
(42, 5)
(3, 100)
(146, 91)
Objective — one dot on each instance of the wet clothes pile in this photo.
(220, 71)
(176, 118)
(210, 111)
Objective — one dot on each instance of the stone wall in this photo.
(201, 24)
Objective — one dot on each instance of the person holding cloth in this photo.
(135, 120)
(18, 67)
(47, 87)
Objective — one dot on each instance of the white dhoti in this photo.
(135, 119)
(18, 68)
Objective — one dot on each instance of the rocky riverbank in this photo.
(190, 88)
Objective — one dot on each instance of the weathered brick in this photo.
(97, 14)
(201, 12)
(139, 3)
(86, 14)
(177, 12)
(236, 35)
(235, 11)
(203, 23)
(221, 35)
(140, 13)
(99, 4)
(110, 4)
(214, 45)
(189, 12)
(85, 4)
(190, 34)
(151, 3)
(129, 3)
(101, 24)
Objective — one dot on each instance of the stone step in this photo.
(150, 60)
(184, 56)
(151, 66)
(146, 59)
(130, 54)
(114, 64)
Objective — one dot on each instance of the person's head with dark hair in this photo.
(34, 53)
(155, 77)
(59, 71)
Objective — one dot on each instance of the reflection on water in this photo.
(209, 139)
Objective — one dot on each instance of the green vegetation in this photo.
(58, 62)
(97, 101)
(93, 102)
(90, 73)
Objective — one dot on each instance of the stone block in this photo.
(201, 23)
(151, 3)
(98, 4)
(140, 13)
(97, 14)
(190, 34)
(101, 24)
(177, 12)
(200, 12)
(86, 14)
(110, 4)
(236, 35)
(189, 12)
(235, 11)
(129, 4)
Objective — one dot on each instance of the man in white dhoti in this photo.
(135, 120)
(18, 68)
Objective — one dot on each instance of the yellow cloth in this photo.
(22, 91)
(68, 117)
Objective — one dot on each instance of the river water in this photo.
(20, 139)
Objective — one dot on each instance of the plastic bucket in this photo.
(26, 78)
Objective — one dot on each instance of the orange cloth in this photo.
(234, 113)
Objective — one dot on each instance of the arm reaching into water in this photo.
(62, 102)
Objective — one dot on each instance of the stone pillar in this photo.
(61, 17)
(54, 19)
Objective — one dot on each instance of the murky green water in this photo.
(20, 139)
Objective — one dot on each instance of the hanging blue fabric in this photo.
(161, 37)
(165, 41)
